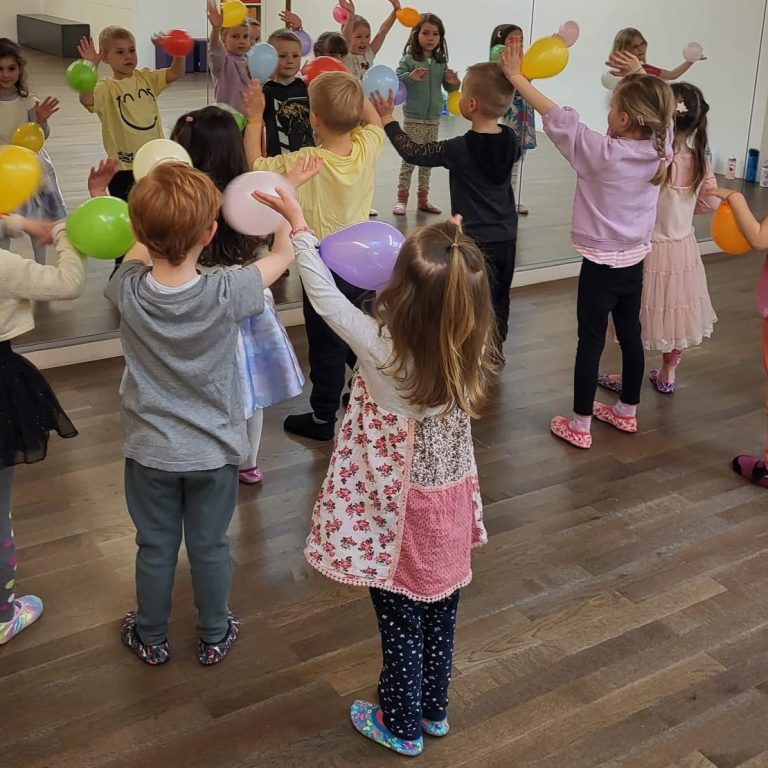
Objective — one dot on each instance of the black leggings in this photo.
(607, 291)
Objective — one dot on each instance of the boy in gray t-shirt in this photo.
(182, 408)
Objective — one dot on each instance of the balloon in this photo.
(569, 31)
(547, 57)
(408, 17)
(402, 92)
(321, 65)
(380, 79)
(693, 52)
(233, 13)
(158, 151)
(177, 42)
(81, 76)
(262, 60)
(20, 176)
(29, 135)
(240, 118)
(609, 81)
(249, 216)
(340, 15)
(305, 40)
(100, 228)
(363, 254)
(496, 53)
(726, 233)
(453, 102)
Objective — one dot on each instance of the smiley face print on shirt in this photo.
(138, 111)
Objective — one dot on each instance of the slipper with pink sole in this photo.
(606, 413)
(664, 387)
(610, 381)
(561, 427)
(752, 469)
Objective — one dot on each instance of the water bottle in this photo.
(730, 168)
(764, 174)
(751, 174)
(708, 154)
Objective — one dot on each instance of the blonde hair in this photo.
(337, 99)
(437, 309)
(360, 21)
(170, 208)
(108, 35)
(489, 86)
(624, 39)
(650, 104)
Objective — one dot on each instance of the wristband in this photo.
(299, 230)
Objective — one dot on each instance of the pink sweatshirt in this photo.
(615, 204)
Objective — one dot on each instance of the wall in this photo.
(8, 11)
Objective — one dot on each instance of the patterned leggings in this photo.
(7, 549)
(417, 651)
(420, 131)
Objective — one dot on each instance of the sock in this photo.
(318, 421)
(624, 410)
(580, 423)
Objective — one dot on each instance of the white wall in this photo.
(8, 11)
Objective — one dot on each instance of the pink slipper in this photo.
(250, 476)
(561, 427)
(752, 468)
(610, 381)
(609, 416)
(665, 387)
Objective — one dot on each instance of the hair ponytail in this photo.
(660, 140)
(691, 122)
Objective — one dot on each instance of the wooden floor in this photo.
(618, 616)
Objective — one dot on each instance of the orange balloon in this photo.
(726, 232)
(320, 65)
(408, 17)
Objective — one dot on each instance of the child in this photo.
(286, 114)
(19, 106)
(331, 44)
(254, 30)
(182, 404)
(227, 61)
(631, 40)
(618, 176)
(424, 70)
(519, 117)
(676, 312)
(480, 168)
(400, 508)
(269, 370)
(338, 196)
(357, 33)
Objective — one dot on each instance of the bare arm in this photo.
(510, 61)
(88, 52)
(349, 24)
(214, 19)
(754, 231)
(381, 35)
(253, 105)
(279, 259)
(370, 114)
(176, 70)
(678, 71)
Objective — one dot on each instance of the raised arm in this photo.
(42, 111)
(754, 231)
(678, 71)
(381, 35)
(511, 60)
(253, 106)
(88, 52)
(349, 25)
(214, 19)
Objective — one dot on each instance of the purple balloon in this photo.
(402, 92)
(363, 254)
(305, 40)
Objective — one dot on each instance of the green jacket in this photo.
(425, 97)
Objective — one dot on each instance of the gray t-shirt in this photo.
(182, 402)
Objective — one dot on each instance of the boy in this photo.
(480, 170)
(182, 406)
(338, 196)
(227, 61)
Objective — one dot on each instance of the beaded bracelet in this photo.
(299, 230)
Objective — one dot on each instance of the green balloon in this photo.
(240, 118)
(81, 76)
(100, 228)
(496, 52)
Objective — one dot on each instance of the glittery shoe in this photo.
(611, 381)
(27, 611)
(607, 414)
(213, 653)
(665, 387)
(561, 427)
(752, 469)
(368, 719)
(250, 476)
(153, 655)
(435, 728)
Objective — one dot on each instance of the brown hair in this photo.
(624, 39)
(437, 310)
(108, 35)
(285, 35)
(650, 104)
(330, 44)
(170, 208)
(337, 99)
(10, 50)
(487, 84)
(691, 121)
(413, 46)
(502, 32)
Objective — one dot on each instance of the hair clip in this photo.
(640, 120)
(189, 119)
(680, 108)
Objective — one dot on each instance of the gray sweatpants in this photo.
(161, 504)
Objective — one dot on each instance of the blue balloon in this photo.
(262, 61)
(382, 79)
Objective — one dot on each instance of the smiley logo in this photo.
(138, 112)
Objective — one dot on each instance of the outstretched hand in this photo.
(304, 170)
(285, 204)
(291, 20)
(87, 51)
(100, 176)
(214, 15)
(623, 63)
(47, 107)
(511, 58)
(385, 107)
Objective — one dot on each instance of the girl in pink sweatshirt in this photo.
(614, 211)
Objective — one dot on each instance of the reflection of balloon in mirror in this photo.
(380, 79)
(408, 17)
(609, 81)
(569, 31)
(20, 176)
(233, 13)
(496, 53)
(452, 103)
(693, 52)
(29, 135)
(81, 76)
(177, 42)
(547, 57)
(240, 118)
(320, 65)
(100, 228)
(158, 151)
(262, 60)
(249, 216)
(726, 232)
(305, 40)
(402, 92)
(340, 15)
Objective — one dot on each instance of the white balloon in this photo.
(158, 151)
(609, 81)
(245, 214)
(693, 52)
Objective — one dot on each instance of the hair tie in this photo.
(189, 119)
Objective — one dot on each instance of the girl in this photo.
(331, 44)
(631, 40)
(424, 71)
(19, 106)
(269, 370)
(227, 59)
(520, 117)
(357, 33)
(676, 312)
(400, 508)
(617, 189)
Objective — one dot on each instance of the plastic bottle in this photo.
(730, 168)
(751, 174)
(764, 174)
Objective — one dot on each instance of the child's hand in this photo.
(254, 102)
(451, 77)
(39, 229)
(100, 176)
(348, 6)
(385, 107)
(292, 20)
(511, 58)
(395, 4)
(214, 15)
(47, 107)
(418, 74)
(723, 192)
(285, 204)
(304, 170)
(87, 51)
(623, 63)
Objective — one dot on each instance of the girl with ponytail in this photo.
(400, 509)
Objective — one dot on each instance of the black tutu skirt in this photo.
(29, 411)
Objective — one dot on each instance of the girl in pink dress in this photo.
(675, 312)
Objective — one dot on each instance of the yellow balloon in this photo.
(20, 176)
(453, 102)
(233, 13)
(547, 57)
(29, 135)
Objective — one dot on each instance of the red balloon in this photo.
(320, 65)
(177, 42)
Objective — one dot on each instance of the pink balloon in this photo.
(693, 52)
(249, 216)
(402, 92)
(569, 31)
(340, 14)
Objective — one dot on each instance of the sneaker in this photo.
(561, 427)
(213, 653)
(752, 469)
(373, 213)
(153, 655)
(435, 728)
(305, 425)
(399, 209)
(427, 207)
(610, 381)
(26, 611)
(665, 387)
(368, 719)
(250, 476)
(607, 414)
